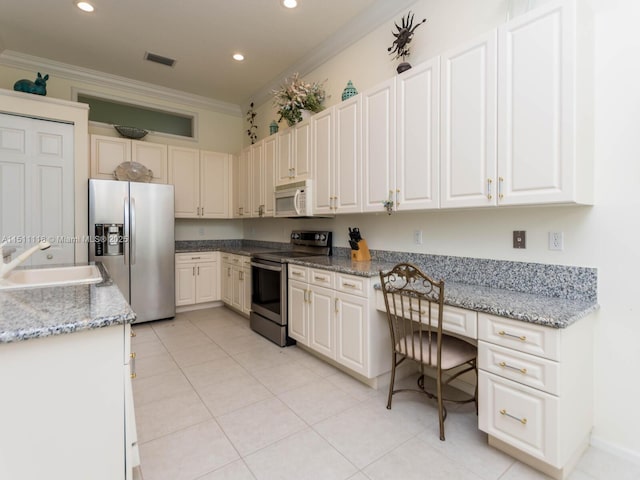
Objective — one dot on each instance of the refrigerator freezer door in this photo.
(108, 204)
(151, 251)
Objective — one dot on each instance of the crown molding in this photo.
(22, 61)
(374, 16)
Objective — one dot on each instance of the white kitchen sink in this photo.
(51, 277)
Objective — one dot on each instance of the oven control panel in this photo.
(311, 238)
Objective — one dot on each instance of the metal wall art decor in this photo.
(400, 46)
(251, 118)
(39, 87)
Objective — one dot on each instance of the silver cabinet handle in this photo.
(193, 273)
(320, 279)
(335, 304)
(198, 270)
(132, 364)
(507, 414)
(506, 365)
(489, 182)
(502, 333)
(350, 285)
(500, 195)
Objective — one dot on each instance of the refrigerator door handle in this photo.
(126, 231)
(132, 233)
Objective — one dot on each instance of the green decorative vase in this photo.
(273, 128)
(349, 91)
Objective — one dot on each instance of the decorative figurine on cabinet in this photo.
(400, 45)
(39, 87)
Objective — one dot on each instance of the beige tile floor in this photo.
(214, 401)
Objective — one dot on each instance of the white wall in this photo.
(603, 236)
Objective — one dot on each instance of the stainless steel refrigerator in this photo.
(132, 225)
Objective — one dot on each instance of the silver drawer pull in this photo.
(195, 258)
(319, 279)
(506, 414)
(345, 284)
(297, 274)
(506, 365)
(505, 334)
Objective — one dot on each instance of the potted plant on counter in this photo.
(296, 96)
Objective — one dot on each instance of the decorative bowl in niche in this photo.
(133, 172)
(130, 132)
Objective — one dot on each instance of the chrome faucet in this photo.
(6, 268)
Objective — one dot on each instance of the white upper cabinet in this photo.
(270, 154)
(241, 184)
(378, 145)
(336, 159)
(109, 152)
(262, 157)
(201, 181)
(540, 159)
(417, 134)
(294, 153)
(348, 158)
(468, 124)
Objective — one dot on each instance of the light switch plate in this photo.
(519, 239)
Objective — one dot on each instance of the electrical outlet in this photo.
(556, 241)
(417, 237)
(519, 239)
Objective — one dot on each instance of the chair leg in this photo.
(440, 404)
(391, 383)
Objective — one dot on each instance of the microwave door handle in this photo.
(296, 204)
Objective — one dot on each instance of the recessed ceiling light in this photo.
(85, 6)
(289, 3)
(238, 56)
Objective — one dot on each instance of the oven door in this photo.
(269, 290)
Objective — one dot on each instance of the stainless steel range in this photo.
(269, 283)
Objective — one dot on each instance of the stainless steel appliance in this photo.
(294, 199)
(269, 276)
(132, 225)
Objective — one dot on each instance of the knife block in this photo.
(362, 254)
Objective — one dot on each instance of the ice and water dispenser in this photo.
(109, 239)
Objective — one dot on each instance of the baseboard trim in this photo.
(614, 449)
(198, 306)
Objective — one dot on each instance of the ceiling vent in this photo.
(152, 57)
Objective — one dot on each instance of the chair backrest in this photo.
(414, 304)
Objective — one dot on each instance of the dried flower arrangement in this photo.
(297, 95)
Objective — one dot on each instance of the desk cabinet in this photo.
(536, 390)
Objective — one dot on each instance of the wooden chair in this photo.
(414, 305)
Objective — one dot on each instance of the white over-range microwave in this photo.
(294, 199)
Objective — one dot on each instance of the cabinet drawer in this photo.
(522, 336)
(523, 417)
(352, 284)
(322, 278)
(454, 320)
(245, 261)
(196, 257)
(527, 369)
(298, 273)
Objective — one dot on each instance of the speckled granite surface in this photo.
(42, 312)
(239, 247)
(549, 311)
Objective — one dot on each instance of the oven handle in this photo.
(266, 267)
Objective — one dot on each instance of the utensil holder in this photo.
(362, 254)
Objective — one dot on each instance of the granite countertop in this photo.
(43, 312)
(542, 310)
(244, 250)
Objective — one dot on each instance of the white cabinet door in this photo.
(184, 175)
(321, 320)
(241, 181)
(237, 294)
(348, 159)
(536, 101)
(106, 154)
(285, 156)
(270, 153)
(418, 141)
(215, 179)
(298, 312)
(301, 161)
(153, 156)
(352, 317)
(207, 287)
(257, 186)
(468, 124)
(246, 286)
(37, 187)
(185, 284)
(378, 145)
(323, 162)
(226, 282)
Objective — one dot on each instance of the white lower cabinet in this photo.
(331, 314)
(236, 282)
(197, 278)
(68, 407)
(536, 390)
